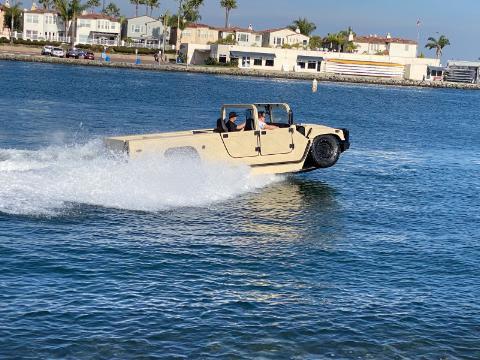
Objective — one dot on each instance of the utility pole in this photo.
(11, 21)
(177, 44)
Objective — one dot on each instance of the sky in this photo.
(457, 19)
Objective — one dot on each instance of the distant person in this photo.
(263, 125)
(230, 124)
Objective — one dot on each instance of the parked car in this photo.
(72, 53)
(47, 50)
(81, 52)
(89, 56)
(57, 52)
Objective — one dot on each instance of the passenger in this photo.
(231, 126)
(263, 125)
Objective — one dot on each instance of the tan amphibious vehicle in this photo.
(273, 144)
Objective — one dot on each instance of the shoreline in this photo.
(228, 71)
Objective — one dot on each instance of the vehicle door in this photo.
(241, 144)
(278, 141)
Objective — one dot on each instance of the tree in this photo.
(63, 9)
(229, 5)
(306, 27)
(136, 3)
(69, 11)
(46, 3)
(315, 42)
(152, 4)
(438, 44)
(13, 18)
(112, 10)
(92, 4)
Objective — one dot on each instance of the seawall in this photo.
(242, 72)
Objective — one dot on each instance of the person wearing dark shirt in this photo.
(230, 124)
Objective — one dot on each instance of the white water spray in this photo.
(50, 180)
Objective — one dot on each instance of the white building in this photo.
(98, 29)
(243, 37)
(301, 60)
(284, 37)
(145, 31)
(375, 45)
(41, 24)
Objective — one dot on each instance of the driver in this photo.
(263, 125)
(230, 124)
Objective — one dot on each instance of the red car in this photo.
(89, 56)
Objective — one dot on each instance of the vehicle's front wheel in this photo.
(325, 151)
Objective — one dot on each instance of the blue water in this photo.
(377, 257)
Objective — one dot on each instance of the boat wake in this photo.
(52, 180)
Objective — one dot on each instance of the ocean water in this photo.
(378, 257)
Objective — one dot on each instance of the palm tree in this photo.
(306, 27)
(92, 4)
(229, 5)
(136, 3)
(13, 14)
(112, 10)
(437, 44)
(75, 8)
(46, 3)
(63, 9)
(152, 4)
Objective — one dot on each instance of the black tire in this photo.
(325, 151)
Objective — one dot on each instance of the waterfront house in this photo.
(284, 37)
(308, 61)
(42, 24)
(4, 31)
(98, 29)
(388, 45)
(243, 37)
(145, 31)
(194, 34)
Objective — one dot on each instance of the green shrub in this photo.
(131, 50)
(214, 62)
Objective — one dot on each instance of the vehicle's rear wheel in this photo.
(182, 153)
(325, 151)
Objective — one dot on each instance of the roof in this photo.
(238, 29)
(277, 29)
(198, 26)
(382, 40)
(97, 17)
(464, 63)
(41, 11)
(141, 16)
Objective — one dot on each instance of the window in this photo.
(257, 62)
(32, 19)
(242, 37)
(312, 64)
(222, 59)
(258, 38)
(407, 47)
(32, 34)
(269, 62)
(278, 41)
(112, 26)
(305, 42)
(136, 28)
(301, 64)
(84, 23)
